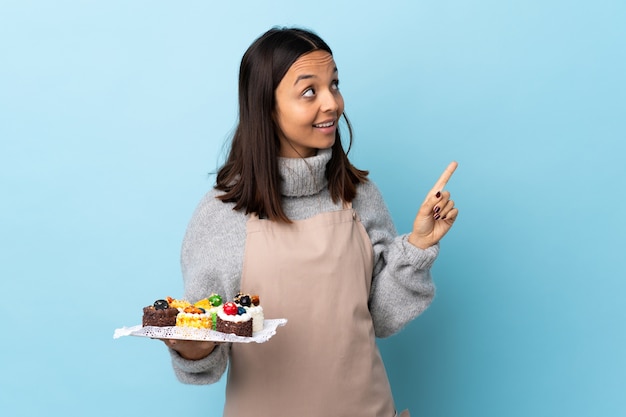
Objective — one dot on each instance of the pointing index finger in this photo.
(445, 177)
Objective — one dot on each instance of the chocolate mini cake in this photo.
(234, 319)
(159, 314)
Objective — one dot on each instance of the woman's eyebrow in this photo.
(308, 76)
(303, 77)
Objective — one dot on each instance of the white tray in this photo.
(190, 333)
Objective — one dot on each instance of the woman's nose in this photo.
(330, 101)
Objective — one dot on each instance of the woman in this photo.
(291, 219)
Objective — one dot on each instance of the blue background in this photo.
(113, 113)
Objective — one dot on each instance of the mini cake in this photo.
(209, 306)
(232, 318)
(252, 305)
(160, 314)
(192, 316)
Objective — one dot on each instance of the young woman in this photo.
(291, 219)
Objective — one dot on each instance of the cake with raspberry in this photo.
(232, 318)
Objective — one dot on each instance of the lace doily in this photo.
(190, 333)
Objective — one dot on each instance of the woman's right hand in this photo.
(436, 215)
(191, 349)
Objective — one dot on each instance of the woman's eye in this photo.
(335, 85)
(309, 92)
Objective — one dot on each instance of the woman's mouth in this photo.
(325, 124)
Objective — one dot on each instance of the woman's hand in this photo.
(190, 349)
(436, 215)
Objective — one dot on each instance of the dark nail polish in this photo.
(436, 217)
(436, 209)
(443, 218)
(438, 194)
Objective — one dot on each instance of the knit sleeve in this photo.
(211, 262)
(204, 371)
(402, 286)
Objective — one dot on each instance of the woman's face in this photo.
(308, 105)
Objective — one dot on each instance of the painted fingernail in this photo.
(438, 194)
(436, 217)
(443, 218)
(436, 209)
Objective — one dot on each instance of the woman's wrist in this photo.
(191, 350)
(419, 241)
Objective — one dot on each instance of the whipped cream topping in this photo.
(237, 318)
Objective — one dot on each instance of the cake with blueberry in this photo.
(233, 318)
(192, 316)
(202, 314)
(160, 314)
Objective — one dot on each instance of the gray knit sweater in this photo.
(213, 250)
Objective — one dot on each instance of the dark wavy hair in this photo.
(250, 176)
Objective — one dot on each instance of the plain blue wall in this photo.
(113, 112)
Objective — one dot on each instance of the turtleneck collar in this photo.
(304, 176)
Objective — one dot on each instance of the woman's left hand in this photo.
(436, 215)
